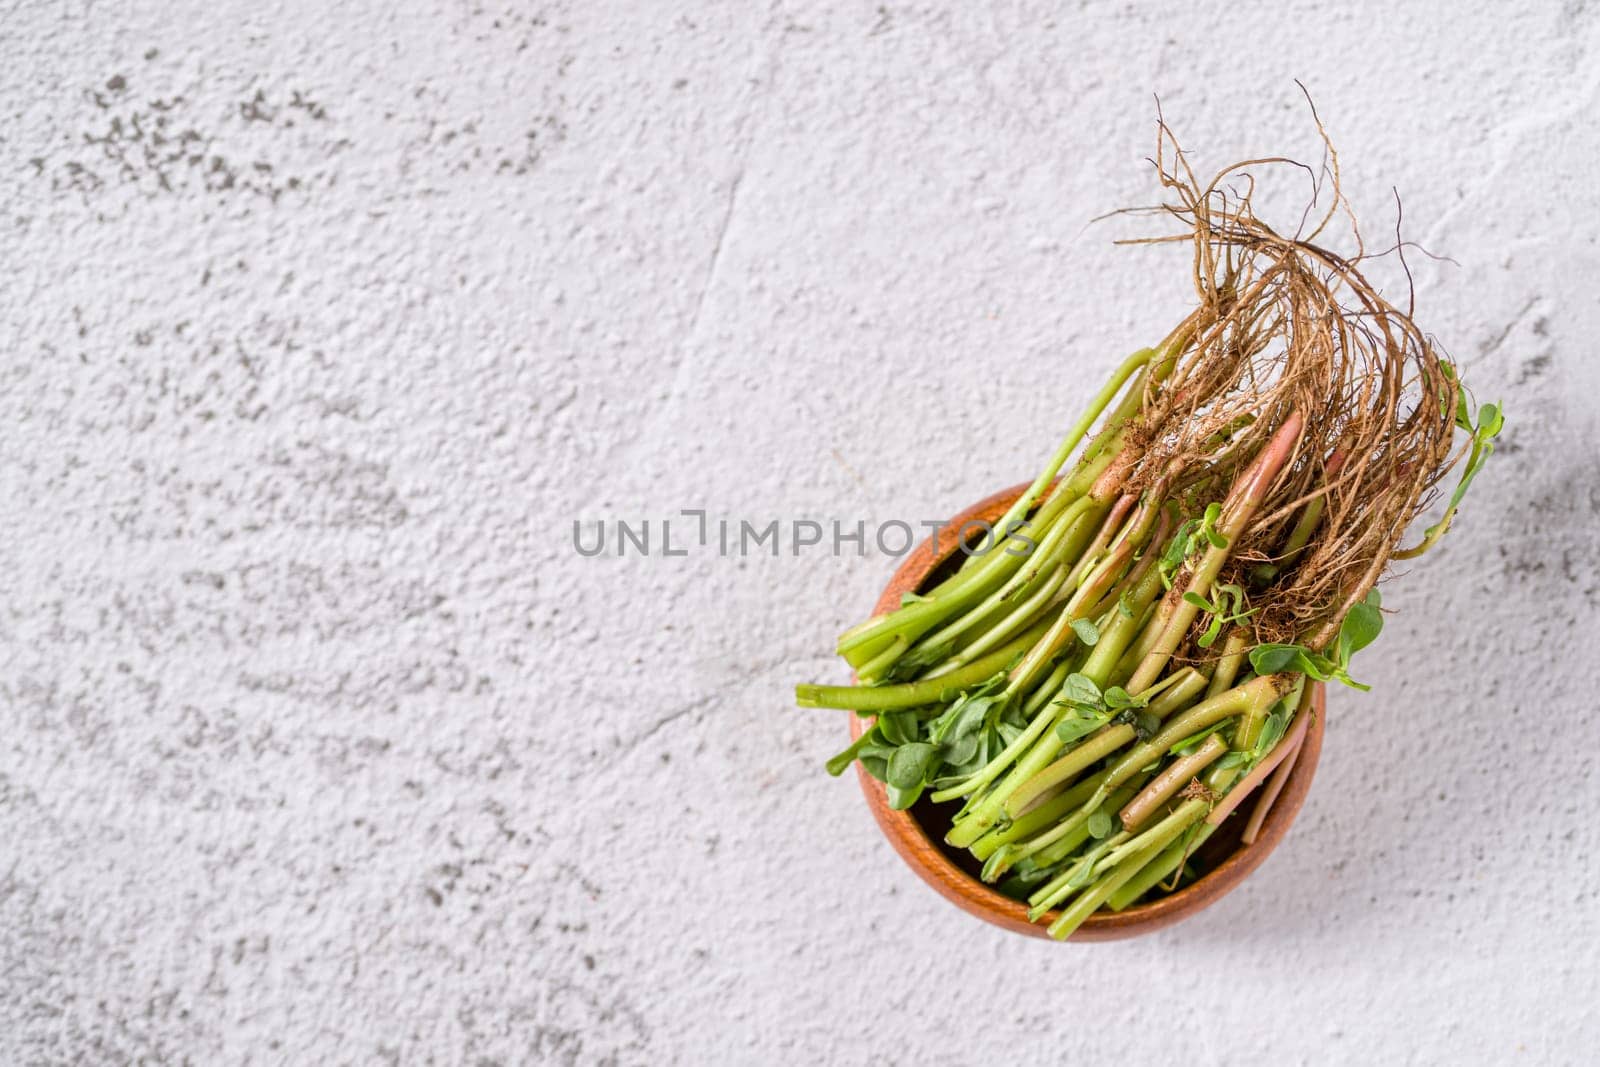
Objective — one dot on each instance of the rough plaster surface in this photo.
(323, 322)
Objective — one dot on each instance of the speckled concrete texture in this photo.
(322, 323)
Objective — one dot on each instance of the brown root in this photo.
(1285, 325)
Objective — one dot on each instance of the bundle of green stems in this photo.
(1133, 656)
(1091, 689)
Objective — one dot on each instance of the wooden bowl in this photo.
(918, 833)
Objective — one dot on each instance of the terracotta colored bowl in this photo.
(918, 834)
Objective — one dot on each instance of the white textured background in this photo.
(320, 325)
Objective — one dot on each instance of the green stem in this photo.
(1074, 877)
(1180, 689)
(1060, 850)
(1249, 490)
(1026, 612)
(957, 591)
(1254, 695)
(1090, 751)
(1049, 688)
(926, 691)
(1172, 778)
(883, 659)
(1442, 527)
(1234, 650)
(1059, 637)
(1063, 542)
(1040, 818)
(1162, 832)
(1090, 899)
(1156, 871)
(1039, 740)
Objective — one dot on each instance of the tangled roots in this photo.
(1286, 325)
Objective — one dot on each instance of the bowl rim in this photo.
(927, 857)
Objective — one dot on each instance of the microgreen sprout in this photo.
(1224, 609)
(1481, 432)
(1192, 537)
(1088, 707)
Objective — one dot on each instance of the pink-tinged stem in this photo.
(1269, 796)
(1113, 530)
(1140, 569)
(1248, 491)
(1258, 774)
(1168, 782)
(1253, 484)
(1110, 481)
(1094, 587)
(1113, 524)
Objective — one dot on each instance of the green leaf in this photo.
(1187, 745)
(1071, 728)
(910, 765)
(1087, 632)
(898, 727)
(1274, 658)
(968, 721)
(1117, 697)
(1084, 868)
(1317, 667)
(1100, 825)
(1490, 421)
(960, 750)
(966, 756)
(1271, 733)
(901, 799)
(918, 660)
(1177, 548)
(1197, 600)
(877, 766)
(1028, 867)
(877, 748)
(1080, 689)
(1232, 759)
(1359, 629)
